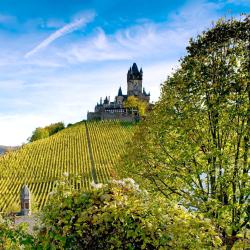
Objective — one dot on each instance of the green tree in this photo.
(195, 145)
(39, 133)
(135, 103)
(55, 127)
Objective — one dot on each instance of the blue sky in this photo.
(58, 57)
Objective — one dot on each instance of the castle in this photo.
(106, 110)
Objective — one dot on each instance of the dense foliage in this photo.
(195, 145)
(119, 215)
(135, 104)
(14, 237)
(41, 133)
(39, 164)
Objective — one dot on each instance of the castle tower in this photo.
(25, 201)
(134, 81)
(119, 97)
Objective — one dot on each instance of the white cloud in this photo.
(80, 22)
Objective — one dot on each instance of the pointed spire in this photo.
(135, 68)
(106, 101)
(120, 91)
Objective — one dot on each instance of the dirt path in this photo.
(93, 170)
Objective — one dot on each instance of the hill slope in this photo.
(89, 150)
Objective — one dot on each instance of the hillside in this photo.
(90, 150)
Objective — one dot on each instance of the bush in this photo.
(14, 237)
(120, 216)
(41, 133)
(55, 127)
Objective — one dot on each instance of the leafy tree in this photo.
(39, 133)
(119, 215)
(55, 127)
(137, 104)
(195, 145)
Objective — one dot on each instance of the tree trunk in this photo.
(230, 240)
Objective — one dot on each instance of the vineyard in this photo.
(89, 151)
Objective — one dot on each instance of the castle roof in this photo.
(135, 68)
(134, 73)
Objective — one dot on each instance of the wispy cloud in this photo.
(142, 41)
(146, 40)
(80, 22)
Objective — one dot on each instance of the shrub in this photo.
(119, 215)
(14, 237)
(41, 133)
(55, 127)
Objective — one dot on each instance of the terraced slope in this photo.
(90, 150)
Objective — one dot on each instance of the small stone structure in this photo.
(25, 201)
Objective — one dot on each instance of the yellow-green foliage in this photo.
(41, 163)
(14, 237)
(119, 215)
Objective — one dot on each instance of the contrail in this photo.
(61, 32)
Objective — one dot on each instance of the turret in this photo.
(106, 100)
(120, 92)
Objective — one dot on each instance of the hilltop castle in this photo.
(106, 110)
